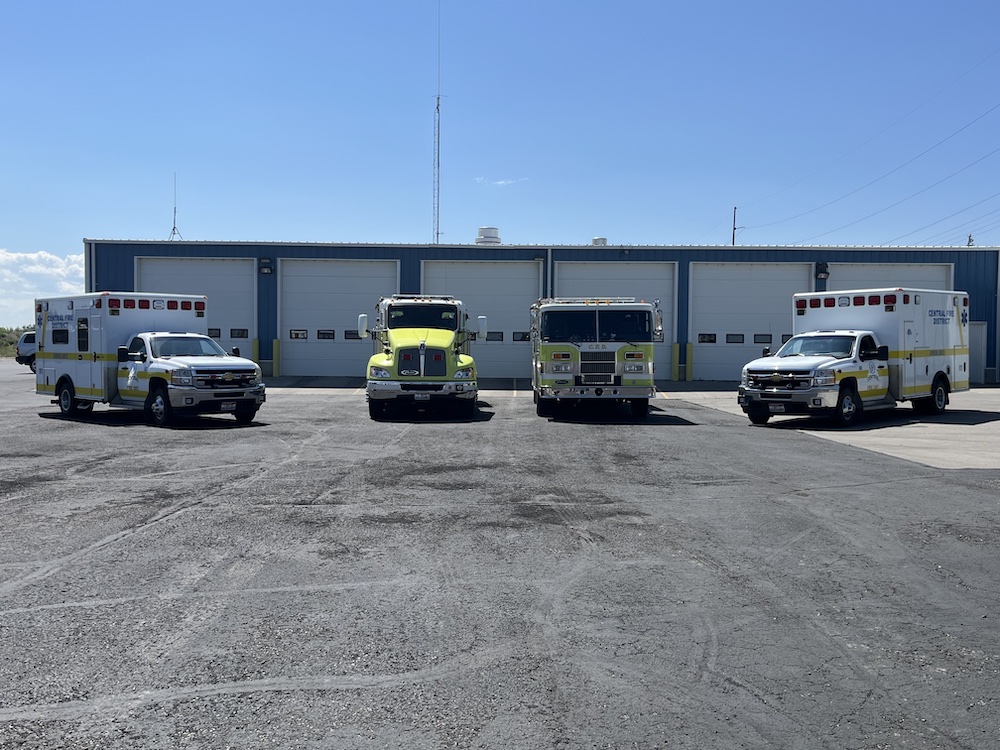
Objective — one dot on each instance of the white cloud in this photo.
(500, 183)
(27, 276)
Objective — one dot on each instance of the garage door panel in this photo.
(319, 305)
(878, 275)
(736, 310)
(229, 283)
(642, 280)
(503, 291)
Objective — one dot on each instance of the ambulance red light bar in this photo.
(965, 301)
(800, 304)
(185, 305)
(829, 302)
(890, 299)
(199, 306)
(859, 299)
(873, 299)
(114, 303)
(172, 304)
(814, 303)
(144, 304)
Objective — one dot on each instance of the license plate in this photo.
(228, 406)
(421, 397)
(776, 407)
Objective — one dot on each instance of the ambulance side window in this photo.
(82, 335)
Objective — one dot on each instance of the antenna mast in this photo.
(174, 232)
(437, 141)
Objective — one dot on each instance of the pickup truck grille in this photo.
(779, 381)
(223, 378)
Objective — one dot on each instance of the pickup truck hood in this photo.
(207, 363)
(795, 363)
(437, 338)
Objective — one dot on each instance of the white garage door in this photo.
(878, 275)
(503, 291)
(229, 283)
(319, 303)
(736, 309)
(644, 281)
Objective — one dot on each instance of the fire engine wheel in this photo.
(467, 408)
(376, 409)
(158, 407)
(848, 407)
(639, 407)
(545, 407)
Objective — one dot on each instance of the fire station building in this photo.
(295, 306)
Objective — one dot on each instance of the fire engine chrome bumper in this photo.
(203, 400)
(596, 391)
(385, 390)
(808, 401)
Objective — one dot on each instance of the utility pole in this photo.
(734, 226)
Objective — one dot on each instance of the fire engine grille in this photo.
(223, 378)
(435, 363)
(781, 381)
(597, 368)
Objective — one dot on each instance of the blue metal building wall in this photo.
(111, 266)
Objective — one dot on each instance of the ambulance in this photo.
(863, 350)
(142, 351)
(587, 349)
(421, 353)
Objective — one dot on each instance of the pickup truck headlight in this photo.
(635, 367)
(466, 373)
(561, 367)
(743, 377)
(182, 377)
(379, 373)
(824, 377)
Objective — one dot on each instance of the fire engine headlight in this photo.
(466, 373)
(379, 373)
(824, 377)
(561, 367)
(182, 377)
(635, 367)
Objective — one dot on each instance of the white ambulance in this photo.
(863, 349)
(134, 350)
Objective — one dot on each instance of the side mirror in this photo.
(658, 324)
(363, 325)
(482, 327)
(766, 351)
(122, 354)
(236, 351)
(883, 354)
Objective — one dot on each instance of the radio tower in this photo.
(437, 141)
(174, 232)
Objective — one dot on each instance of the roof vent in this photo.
(488, 236)
(602, 241)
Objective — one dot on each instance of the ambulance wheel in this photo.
(245, 414)
(67, 398)
(848, 406)
(158, 407)
(939, 397)
(639, 407)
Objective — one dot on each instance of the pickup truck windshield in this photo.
(804, 346)
(444, 317)
(186, 346)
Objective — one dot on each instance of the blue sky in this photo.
(851, 123)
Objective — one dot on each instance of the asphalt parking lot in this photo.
(320, 580)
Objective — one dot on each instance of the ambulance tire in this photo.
(848, 407)
(158, 407)
(639, 408)
(938, 400)
(67, 398)
(245, 414)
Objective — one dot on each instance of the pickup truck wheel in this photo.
(158, 407)
(848, 406)
(31, 364)
(67, 398)
(759, 417)
(245, 414)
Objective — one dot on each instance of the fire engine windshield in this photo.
(186, 346)
(596, 325)
(806, 346)
(424, 316)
